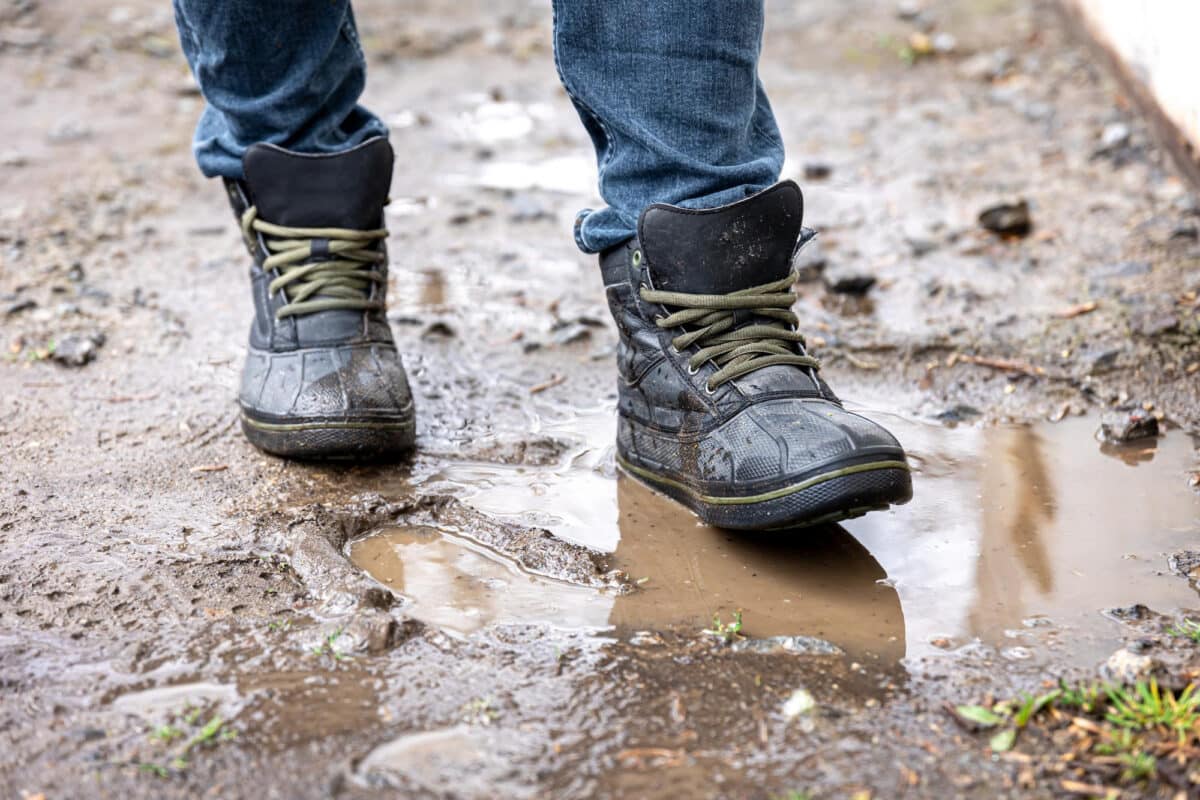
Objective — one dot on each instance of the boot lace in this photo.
(319, 268)
(711, 323)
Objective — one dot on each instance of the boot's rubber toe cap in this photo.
(779, 463)
(345, 401)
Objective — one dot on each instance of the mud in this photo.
(542, 633)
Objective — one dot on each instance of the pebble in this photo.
(817, 170)
(1102, 361)
(845, 280)
(1127, 667)
(987, 66)
(1114, 136)
(77, 350)
(1128, 427)
(1007, 219)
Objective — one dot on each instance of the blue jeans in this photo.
(668, 90)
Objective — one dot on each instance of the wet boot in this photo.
(322, 378)
(720, 405)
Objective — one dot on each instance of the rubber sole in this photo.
(835, 495)
(359, 440)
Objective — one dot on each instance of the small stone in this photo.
(987, 66)
(1151, 324)
(817, 170)
(1127, 667)
(1007, 219)
(801, 702)
(1102, 361)
(1114, 136)
(944, 43)
(1134, 613)
(438, 329)
(77, 350)
(848, 281)
(1185, 232)
(908, 10)
(1185, 564)
(19, 306)
(1128, 427)
(958, 413)
(14, 159)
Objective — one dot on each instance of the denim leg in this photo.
(289, 72)
(669, 93)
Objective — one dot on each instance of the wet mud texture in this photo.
(181, 616)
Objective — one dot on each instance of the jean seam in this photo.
(573, 95)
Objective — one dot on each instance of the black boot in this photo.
(322, 378)
(721, 407)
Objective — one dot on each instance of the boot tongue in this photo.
(724, 249)
(338, 190)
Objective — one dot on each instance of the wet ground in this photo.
(507, 615)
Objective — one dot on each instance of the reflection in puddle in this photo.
(1014, 532)
(459, 586)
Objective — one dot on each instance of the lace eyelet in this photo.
(692, 370)
(674, 350)
(637, 258)
(708, 388)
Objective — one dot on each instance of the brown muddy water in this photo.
(1019, 537)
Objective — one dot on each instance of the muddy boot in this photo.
(322, 378)
(720, 405)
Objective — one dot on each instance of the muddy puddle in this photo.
(1021, 537)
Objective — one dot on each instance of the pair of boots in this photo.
(720, 405)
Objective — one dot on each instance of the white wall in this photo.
(1159, 40)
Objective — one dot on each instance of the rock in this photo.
(1127, 667)
(1102, 361)
(1007, 219)
(77, 350)
(1128, 427)
(908, 10)
(845, 280)
(1185, 232)
(1154, 323)
(1134, 613)
(1185, 564)
(19, 306)
(1114, 136)
(817, 170)
(944, 43)
(13, 158)
(438, 329)
(987, 66)
(570, 333)
(958, 413)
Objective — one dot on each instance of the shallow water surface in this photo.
(1018, 536)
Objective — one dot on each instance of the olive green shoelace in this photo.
(709, 320)
(340, 277)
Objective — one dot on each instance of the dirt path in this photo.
(179, 618)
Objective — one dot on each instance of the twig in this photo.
(554, 380)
